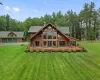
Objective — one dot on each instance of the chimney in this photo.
(44, 23)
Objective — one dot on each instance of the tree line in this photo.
(84, 26)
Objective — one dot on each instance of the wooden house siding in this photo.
(0, 40)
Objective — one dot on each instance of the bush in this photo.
(69, 51)
(74, 51)
(55, 50)
(63, 50)
(26, 50)
(42, 50)
(31, 51)
(45, 51)
(84, 50)
(22, 44)
(37, 51)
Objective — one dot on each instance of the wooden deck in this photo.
(75, 48)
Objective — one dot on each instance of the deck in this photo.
(74, 48)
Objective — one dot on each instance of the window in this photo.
(49, 35)
(73, 43)
(54, 43)
(45, 43)
(54, 35)
(11, 35)
(44, 35)
(37, 43)
(62, 43)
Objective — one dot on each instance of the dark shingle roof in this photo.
(4, 34)
(34, 28)
(64, 30)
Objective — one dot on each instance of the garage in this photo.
(15, 40)
(11, 36)
(10, 40)
(4, 40)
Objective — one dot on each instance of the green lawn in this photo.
(17, 65)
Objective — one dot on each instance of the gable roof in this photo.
(4, 34)
(64, 30)
(66, 37)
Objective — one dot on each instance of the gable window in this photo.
(54, 35)
(49, 35)
(37, 43)
(44, 36)
(11, 35)
(62, 43)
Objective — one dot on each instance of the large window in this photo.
(54, 43)
(62, 43)
(54, 35)
(45, 43)
(11, 35)
(44, 35)
(37, 43)
(49, 35)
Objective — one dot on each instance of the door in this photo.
(4, 40)
(49, 43)
(15, 40)
(9, 40)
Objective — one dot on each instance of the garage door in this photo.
(4, 40)
(14, 40)
(9, 40)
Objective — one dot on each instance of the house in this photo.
(11, 36)
(51, 37)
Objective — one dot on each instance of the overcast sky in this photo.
(22, 9)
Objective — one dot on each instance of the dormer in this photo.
(11, 34)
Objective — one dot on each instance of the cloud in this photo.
(7, 8)
(35, 10)
(16, 9)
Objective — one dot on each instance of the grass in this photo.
(17, 65)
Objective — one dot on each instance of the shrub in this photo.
(55, 50)
(74, 51)
(26, 51)
(69, 51)
(31, 51)
(42, 50)
(37, 51)
(45, 51)
(84, 50)
(63, 50)
(22, 44)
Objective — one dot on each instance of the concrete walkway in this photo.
(6, 44)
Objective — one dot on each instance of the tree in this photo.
(7, 22)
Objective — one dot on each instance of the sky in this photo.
(22, 9)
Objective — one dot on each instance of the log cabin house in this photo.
(11, 37)
(51, 38)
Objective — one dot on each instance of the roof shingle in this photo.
(64, 30)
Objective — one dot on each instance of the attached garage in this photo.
(4, 40)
